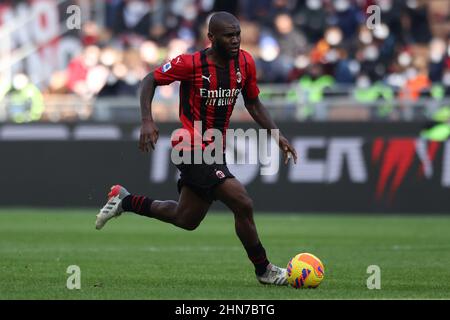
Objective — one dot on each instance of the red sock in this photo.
(138, 204)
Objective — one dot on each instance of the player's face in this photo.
(227, 41)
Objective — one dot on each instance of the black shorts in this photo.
(203, 178)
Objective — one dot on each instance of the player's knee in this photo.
(245, 207)
(185, 222)
(190, 225)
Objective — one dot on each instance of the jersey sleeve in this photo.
(250, 90)
(178, 69)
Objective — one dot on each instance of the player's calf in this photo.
(188, 219)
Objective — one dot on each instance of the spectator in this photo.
(285, 37)
(132, 16)
(416, 24)
(437, 59)
(347, 17)
(26, 103)
(312, 19)
(292, 41)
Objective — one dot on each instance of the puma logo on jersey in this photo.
(207, 78)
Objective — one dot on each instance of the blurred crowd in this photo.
(291, 40)
(288, 38)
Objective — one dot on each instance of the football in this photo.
(305, 271)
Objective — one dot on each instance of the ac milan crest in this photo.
(220, 174)
(238, 77)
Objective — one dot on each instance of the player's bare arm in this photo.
(149, 131)
(260, 114)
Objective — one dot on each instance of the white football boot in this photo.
(113, 208)
(274, 275)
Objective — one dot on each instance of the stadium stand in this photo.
(316, 59)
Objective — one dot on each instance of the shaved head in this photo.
(224, 32)
(221, 19)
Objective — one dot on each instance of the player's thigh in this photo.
(234, 195)
(191, 206)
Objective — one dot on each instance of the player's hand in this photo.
(149, 135)
(288, 150)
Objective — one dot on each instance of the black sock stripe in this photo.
(206, 86)
(185, 107)
(246, 72)
(237, 69)
(223, 82)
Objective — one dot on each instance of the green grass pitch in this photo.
(139, 258)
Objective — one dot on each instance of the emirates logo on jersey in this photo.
(220, 97)
(238, 77)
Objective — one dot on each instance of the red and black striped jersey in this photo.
(208, 92)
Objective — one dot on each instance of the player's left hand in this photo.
(288, 150)
(149, 135)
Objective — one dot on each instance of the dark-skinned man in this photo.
(210, 81)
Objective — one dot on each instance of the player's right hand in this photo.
(149, 135)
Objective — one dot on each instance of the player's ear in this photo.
(210, 37)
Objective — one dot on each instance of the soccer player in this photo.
(210, 80)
